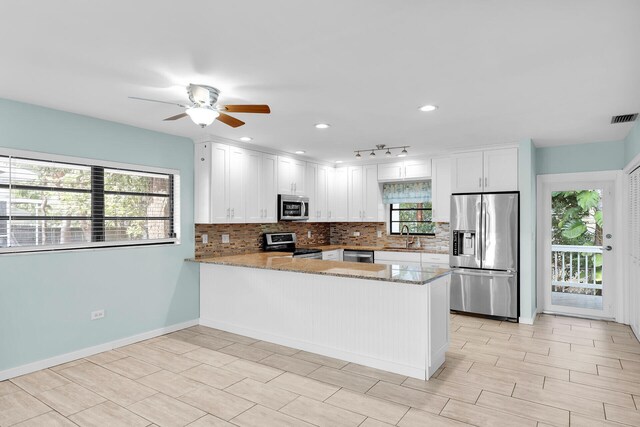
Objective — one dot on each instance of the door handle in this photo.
(608, 248)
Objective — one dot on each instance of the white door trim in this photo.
(620, 290)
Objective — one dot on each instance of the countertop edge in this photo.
(349, 276)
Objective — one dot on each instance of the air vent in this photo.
(624, 118)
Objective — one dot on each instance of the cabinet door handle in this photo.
(228, 212)
(486, 181)
(233, 213)
(480, 182)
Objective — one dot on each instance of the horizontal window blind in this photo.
(49, 204)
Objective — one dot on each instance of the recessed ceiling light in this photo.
(246, 139)
(338, 161)
(300, 152)
(322, 125)
(428, 108)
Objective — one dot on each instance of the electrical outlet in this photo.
(205, 238)
(356, 234)
(379, 233)
(98, 314)
(308, 234)
(225, 238)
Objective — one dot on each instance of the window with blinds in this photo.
(47, 205)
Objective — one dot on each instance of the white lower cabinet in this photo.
(414, 259)
(333, 255)
(401, 258)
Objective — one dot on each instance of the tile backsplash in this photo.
(248, 237)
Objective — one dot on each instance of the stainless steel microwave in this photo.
(293, 208)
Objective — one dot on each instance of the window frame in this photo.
(391, 221)
(173, 195)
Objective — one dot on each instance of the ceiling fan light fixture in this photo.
(202, 115)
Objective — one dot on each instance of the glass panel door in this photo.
(576, 248)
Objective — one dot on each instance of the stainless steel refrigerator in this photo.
(484, 254)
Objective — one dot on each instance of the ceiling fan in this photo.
(204, 108)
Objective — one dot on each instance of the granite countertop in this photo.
(285, 262)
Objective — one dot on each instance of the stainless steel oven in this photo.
(293, 208)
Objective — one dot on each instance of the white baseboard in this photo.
(526, 320)
(385, 365)
(90, 351)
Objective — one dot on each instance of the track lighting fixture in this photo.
(382, 147)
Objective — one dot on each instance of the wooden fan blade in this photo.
(176, 117)
(231, 121)
(260, 109)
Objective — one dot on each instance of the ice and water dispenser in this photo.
(464, 243)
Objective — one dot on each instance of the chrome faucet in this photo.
(406, 243)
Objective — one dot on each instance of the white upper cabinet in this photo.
(441, 189)
(269, 185)
(339, 198)
(405, 170)
(237, 187)
(484, 171)
(501, 170)
(219, 176)
(202, 183)
(365, 200)
(354, 190)
(372, 208)
(291, 175)
(234, 185)
(467, 172)
(417, 169)
(260, 187)
(317, 184)
(390, 171)
(310, 180)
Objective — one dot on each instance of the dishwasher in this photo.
(350, 255)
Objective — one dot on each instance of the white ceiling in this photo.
(500, 70)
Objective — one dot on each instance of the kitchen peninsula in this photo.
(390, 317)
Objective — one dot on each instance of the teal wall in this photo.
(597, 156)
(632, 143)
(46, 298)
(527, 184)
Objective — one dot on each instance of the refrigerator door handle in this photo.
(485, 235)
(480, 233)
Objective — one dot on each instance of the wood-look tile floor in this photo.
(562, 371)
